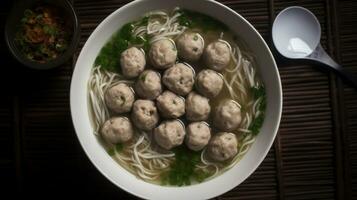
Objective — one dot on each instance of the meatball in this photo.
(163, 53)
(217, 55)
(223, 146)
(148, 85)
(227, 116)
(117, 130)
(197, 107)
(190, 46)
(198, 135)
(170, 105)
(179, 79)
(169, 134)
(145, 114)
(119, 98)
(132, 62)
(209, 83)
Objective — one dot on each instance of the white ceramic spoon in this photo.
(296, 35)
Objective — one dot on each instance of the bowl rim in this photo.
(64, 57)
(212, 193)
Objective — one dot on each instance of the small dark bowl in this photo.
(13, 25)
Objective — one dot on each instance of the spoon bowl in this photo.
(296, 34)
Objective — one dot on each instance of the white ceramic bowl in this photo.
(118, 175)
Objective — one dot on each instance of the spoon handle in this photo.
(321, 56)
(349, 76)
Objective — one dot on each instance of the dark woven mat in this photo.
(314, 155)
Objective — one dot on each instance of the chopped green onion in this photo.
(119, 147)
(111, 152)
(183, 168)
(258, 92)
(28, 13)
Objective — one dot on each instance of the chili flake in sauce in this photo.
(43, 35)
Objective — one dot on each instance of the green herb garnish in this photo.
(111, 152)
(119, 147)
(183, 168)
(108, 57)
(146, 45)
(201, 175)
(256, 124)
(258, 92)
(50, 30)
(143, 77)
(28, 13)
(144, 21)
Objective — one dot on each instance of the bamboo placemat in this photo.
(314, 155)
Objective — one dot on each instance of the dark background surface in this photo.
(314, 155)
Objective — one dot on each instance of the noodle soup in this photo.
(182, 55)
